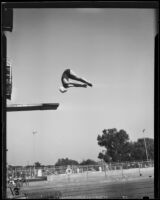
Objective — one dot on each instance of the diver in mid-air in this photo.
(66, 83)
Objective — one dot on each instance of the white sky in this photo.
(112, 48)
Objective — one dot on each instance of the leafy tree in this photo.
(10, 167)
(29, 166)
(118, 147)
(150, 148)
(50, 166)
(37, 164)
(139, 150)
(116, 143)
(88, 162)
(66, 161)
(105, 157)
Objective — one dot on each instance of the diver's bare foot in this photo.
(90, 84)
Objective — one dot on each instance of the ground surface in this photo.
(113, 184)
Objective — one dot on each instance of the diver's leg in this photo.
(67, 84)
(72, 84)
(74, 76)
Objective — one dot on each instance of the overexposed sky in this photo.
(112, 48)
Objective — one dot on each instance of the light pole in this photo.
(145, 146)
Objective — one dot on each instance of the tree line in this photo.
(117, 148)
(60, 162)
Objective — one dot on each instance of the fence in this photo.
(113, 180)
(106, 169)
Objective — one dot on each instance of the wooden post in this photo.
(105, 170)
(122, 170)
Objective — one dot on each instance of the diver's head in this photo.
(62, 89)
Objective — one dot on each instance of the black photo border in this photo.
(79, 4)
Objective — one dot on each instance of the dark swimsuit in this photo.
(65, 75)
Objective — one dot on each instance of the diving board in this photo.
(31, 107)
